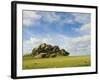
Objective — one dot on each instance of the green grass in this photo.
(58, 62)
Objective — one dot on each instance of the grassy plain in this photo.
(58, 62)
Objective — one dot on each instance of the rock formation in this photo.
(45, 51)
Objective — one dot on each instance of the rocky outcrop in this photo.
(45, 51)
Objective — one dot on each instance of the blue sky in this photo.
(68, 30)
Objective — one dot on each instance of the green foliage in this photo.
(64, 52)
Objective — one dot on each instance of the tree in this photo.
(34, 51)
(64, 52)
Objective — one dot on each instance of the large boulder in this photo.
(53, 55)
(45, 50)
(56, 49)
(41, 55)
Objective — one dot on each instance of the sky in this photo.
(68, 30)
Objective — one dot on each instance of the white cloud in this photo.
(30, 17)
(84, 29)
(66, 21)
(50, 39)
(50, 17)
(76, 46)
(81, 44)
(82, 17)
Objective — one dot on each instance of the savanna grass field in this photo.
(58, 62)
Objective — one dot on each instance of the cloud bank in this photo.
(70, 31)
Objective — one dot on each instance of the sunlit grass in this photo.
(60, 61)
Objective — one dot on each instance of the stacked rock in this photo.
(45, 51)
